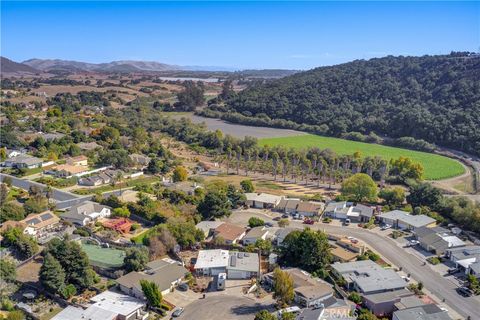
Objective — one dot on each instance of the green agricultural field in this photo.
(436, 167)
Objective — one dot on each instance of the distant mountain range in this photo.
(9, 66)
(68, 66)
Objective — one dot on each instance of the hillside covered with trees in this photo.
(434, 98)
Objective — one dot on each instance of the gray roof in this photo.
(86, 208)
(332, 206)
(388, 296)
(26, 159)
(244, 261)
(288, 204)
(465, 252)
(424, 231)
(475, 267)
(416, 221)
(256, 232)
(162, 272)
(369, 277)
(364, 210)
(426, 312)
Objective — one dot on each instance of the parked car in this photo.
(346, 222)
(308, 221)
(285, 216)
(412, 243)
(177, 312)
(464, 291)
(406, 278)
(452, 270)
(183, 287)
(385, 226)
(268, 224)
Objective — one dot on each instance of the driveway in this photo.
(437, 284)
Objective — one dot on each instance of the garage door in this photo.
(236, 274)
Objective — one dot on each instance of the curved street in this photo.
(439, 286)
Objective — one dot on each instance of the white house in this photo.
(86, 212)
(237, 265)
(262, 200)
(405, 221)
(255, 234)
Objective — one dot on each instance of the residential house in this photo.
(237, 265)
(68, 170)
(345, 210)
(467, 259)
(208, 227)
(351, 244)
(86, 212)
(384, 303)
(288, 205)
(140, 159)
(166, 273)
(78, 161)
(51, 136)
(255, 234)
(23, 161)
(105, 177)
(309, 208)
(11, 153)
(437, 240)
(243, 265)
(330, 309)
(37, 224)
(405, 221)
(308, 291)
(88, 146)
(281, 234)
(367, 277)
(230, 233)
(262, 200)
(122, 225)
(107, 305)
(425, 312)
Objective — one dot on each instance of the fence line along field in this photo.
(436, 166)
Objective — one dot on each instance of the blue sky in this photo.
(297, 35)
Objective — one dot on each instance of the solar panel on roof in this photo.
(33, 221)
(46, 216)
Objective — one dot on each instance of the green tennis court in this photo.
(104, 257)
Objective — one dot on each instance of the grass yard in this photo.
(125, 184)
(436, 167)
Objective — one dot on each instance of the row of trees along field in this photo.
(434, 98)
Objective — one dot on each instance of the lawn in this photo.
(436, 167)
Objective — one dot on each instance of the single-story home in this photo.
(140, 159)
(85, 212)
(367, 277)
(122, 225)
(78, 161)
(340, 254)
(230, 233)
(237, 265)
(437, 240)
(255, 234)
(208, 227)
(346, 210)
(166, 273)
(310, 208)
(281, 234)
(288, 205)
(88, 146)
(23, 161)
(308, 291)
(262, 200)
(67, 170)
(383, 303)
(425, 312)
(406, 221)
(107, 305)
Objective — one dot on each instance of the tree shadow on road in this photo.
(251, 309)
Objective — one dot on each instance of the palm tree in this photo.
(238, 151)
(246, 158)
(255, 159)
(265, 153)
(275, 165)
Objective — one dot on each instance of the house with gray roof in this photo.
(255, 234)
(288, 206)
(406, 221)
(23, 161)
(237, 265)
(85, 212)
(437, 240)
(346, 210)
(425, 312)
(368, 277)
(383, 303)
(166, 273)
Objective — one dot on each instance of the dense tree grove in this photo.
(434, 98)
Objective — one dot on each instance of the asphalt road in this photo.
(62, 198)
(434, 282)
